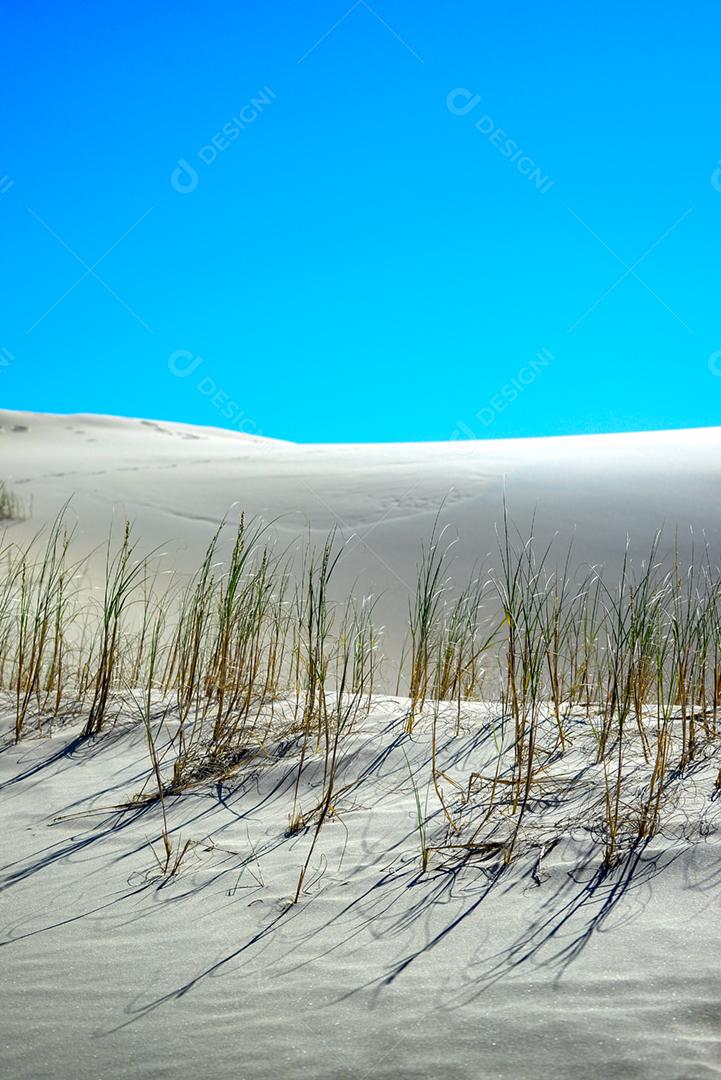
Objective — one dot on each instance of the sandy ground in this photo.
(178, 482)
(470, 970)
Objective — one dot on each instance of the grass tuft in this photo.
(256, 654)
(12, 506)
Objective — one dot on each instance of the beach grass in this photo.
(12, 506)
(256, 651)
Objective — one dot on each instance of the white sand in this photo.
(380, 972)
(178, 482)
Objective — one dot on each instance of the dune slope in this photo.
(178, 482)
(545, 969)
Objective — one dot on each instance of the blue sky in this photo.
(423, 221)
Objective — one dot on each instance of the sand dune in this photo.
(416, 950)
(465, 971)
(177, 482)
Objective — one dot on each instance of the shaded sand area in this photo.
(547, 968)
